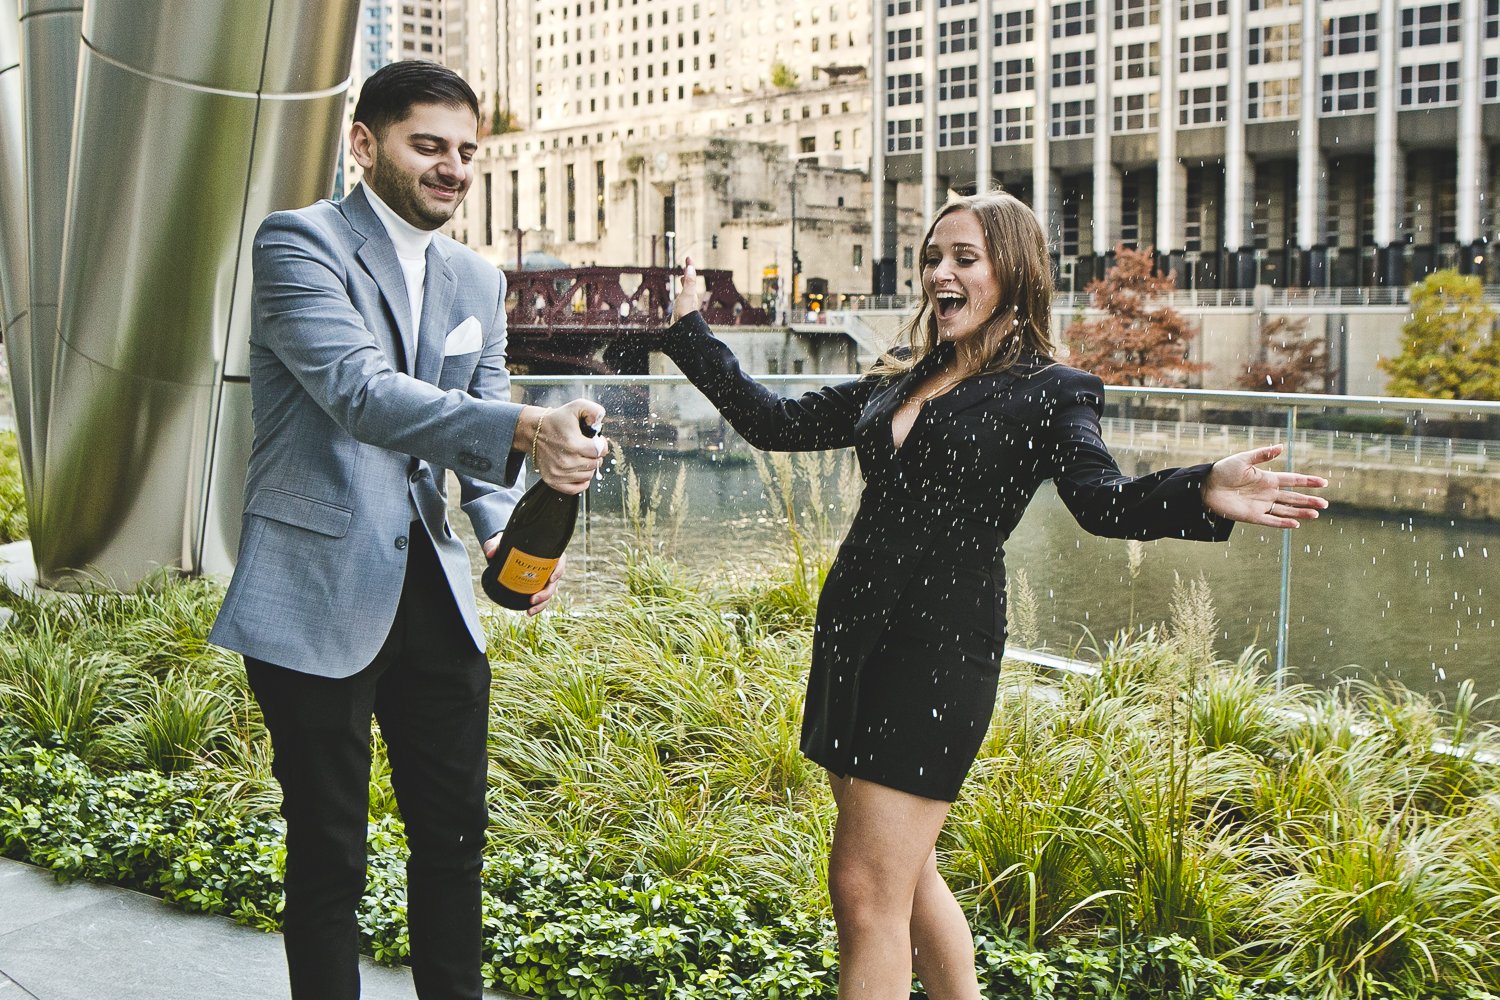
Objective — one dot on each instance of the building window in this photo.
(1273, 99)
(1201, 105)
(903, 89)
(1492, 79)
(1429, 83)
(1343, 36)
(958, 36)
(1275, 43)
(1433, 24)
(1136, 112)
(895, 8)
(515, 199)
(1137, 61)
(1014, 27)
(489, 209)
(1076, 17)
(859, 256)
(1193, 201)
(1014, 76)
(1198, 53)
(599, 197)
(807, 144)
(541, 197)
(1072, 118)
(957, 82)
(903, 136)
(1353, 90)
(572, 194)
(1012, 124)
(903, 44)
(838, 139)
(906, 257)
(1072, 69)
(1136, 13)
(958, 130)
(1202, 8)
(1130, 210)
(1071, 211)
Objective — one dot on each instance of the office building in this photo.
(1327, 142)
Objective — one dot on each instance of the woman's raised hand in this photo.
(1237, 488)
(689, 293)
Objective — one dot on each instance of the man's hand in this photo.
(1237, 489)
(541, 597)
(689, 294)
(564, 456)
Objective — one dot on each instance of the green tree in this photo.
(783, 77)
(1138, 340)
(1448, 346)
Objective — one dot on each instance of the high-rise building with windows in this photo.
(625, 131)
(1282, 142)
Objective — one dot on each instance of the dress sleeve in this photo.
(817, 420)
(1163, 504)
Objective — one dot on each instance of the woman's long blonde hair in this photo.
(1018, 253)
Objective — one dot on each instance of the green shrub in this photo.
(13, 527)
(1165, 828)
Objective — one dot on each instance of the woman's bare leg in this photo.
(881, 843)
(941, 943)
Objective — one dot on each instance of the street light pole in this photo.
(796, 269)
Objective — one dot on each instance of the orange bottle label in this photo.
(525, 574)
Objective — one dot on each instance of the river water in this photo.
(1372, 596)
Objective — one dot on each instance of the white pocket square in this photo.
(465, 338)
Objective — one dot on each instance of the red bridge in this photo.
(600, 320)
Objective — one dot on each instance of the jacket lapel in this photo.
(378, 255)
(437, 301)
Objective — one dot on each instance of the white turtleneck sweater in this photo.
(411, 250)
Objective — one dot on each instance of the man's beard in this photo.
(403, 193)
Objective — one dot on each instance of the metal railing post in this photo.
(1284, 608)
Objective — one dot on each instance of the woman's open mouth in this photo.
(948, 304)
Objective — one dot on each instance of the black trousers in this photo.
(429, 689)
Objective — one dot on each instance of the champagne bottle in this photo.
(532, 542)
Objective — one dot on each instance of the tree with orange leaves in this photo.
(1289, 359)
(1138, 340)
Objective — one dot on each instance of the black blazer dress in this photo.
(911, 620)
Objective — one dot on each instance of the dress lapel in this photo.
(378, 255)
(437, 300)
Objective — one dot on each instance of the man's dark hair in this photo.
(390, 93)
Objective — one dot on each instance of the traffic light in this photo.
(796, 263)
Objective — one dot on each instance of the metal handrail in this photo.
(1269, 399)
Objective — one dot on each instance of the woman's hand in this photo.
(1237, 489)
(689, 294)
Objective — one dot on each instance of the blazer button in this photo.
(400, 541)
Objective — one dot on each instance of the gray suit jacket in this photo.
(352, 431)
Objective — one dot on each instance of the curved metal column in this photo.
(14, 291)
(49, 70)
(195, 119)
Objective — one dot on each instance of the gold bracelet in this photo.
(536, 436)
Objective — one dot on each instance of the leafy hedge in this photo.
(550, 929)
(13, 526)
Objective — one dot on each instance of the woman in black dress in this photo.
(953, 438)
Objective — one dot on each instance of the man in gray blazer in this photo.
(377, 352)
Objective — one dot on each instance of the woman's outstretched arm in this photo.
(821, 419)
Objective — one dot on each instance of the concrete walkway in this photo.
(88, 941)
(85, 941)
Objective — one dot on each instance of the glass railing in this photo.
(1397, 581)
